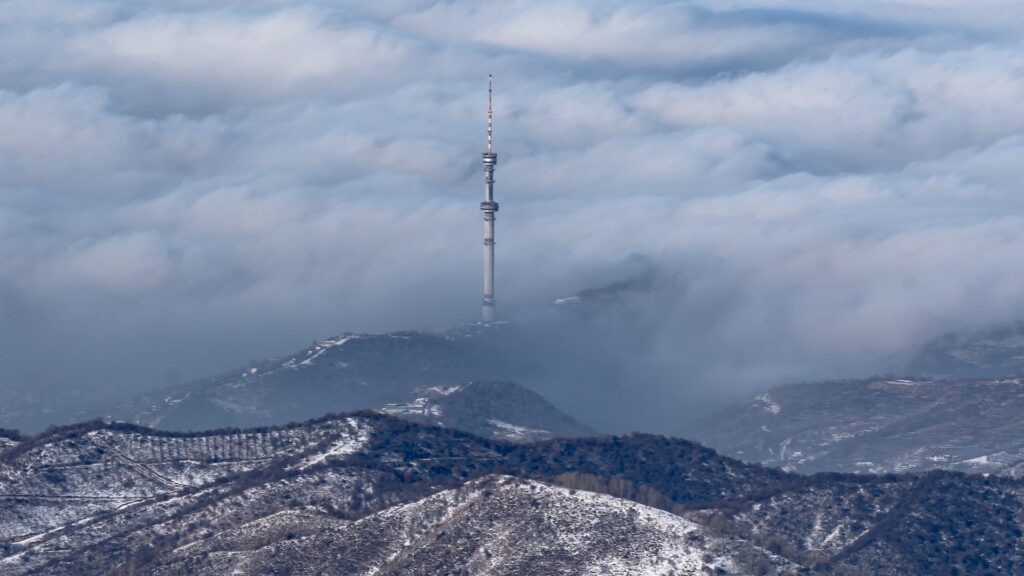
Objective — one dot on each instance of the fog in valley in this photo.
(769, 191)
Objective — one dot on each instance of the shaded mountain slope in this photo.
(501, 410)
(367, 493)
(9, 439)
(349, 372)
(433, 378)
(879, 425)
(993, 352)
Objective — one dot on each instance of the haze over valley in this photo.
(824, 188)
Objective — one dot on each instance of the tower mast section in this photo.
(489, 207)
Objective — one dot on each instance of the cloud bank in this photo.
(185, 185)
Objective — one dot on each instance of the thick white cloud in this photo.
(651, 34)
(861, 112)
(231, 59)
(828, 185)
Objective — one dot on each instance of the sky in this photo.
(186, 185)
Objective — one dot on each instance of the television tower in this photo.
(489, 207)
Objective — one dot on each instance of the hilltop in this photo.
(368, 493)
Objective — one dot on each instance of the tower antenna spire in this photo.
(490, 113)
(489, 207)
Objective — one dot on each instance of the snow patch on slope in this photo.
(351, 441)
(418, 407)
(439, 390)
(514, 432)
(769, 404)
(318, 350)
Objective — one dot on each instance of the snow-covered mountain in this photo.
(440, 378)
(494, 525)
(878, 425)
(349, 372)
(366, 493)
(993, 352)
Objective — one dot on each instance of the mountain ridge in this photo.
(448, 378)
(879, 425)
(129, 499)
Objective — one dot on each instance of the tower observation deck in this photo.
(489, 207)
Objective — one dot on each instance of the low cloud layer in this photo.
(186, 185)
